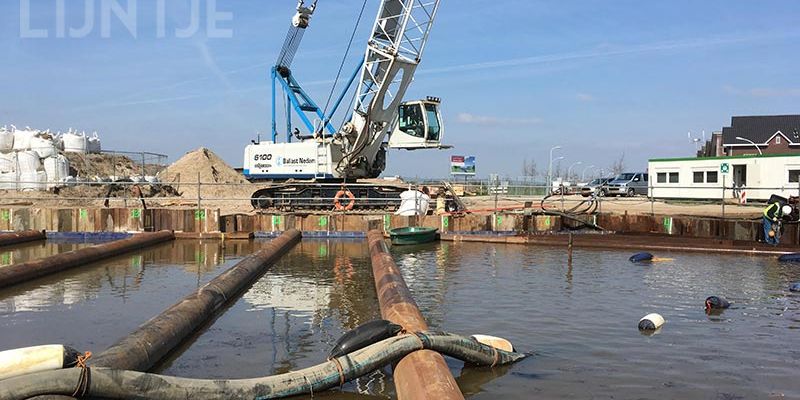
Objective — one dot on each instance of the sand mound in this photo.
(217, 179)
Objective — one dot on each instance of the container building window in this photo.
(661, 177)
(673, 177)
(711, 177)
(794, 176)
(698, 177)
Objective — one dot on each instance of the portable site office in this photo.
(754, 177)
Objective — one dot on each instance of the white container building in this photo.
(754, 177)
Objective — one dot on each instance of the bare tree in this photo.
(618, 166)
(529, 167)
(557, 171)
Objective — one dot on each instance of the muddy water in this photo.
(579, 319)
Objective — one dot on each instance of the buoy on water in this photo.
(791, 257)
(795, 287)
(30, 360)
(496, 342)
(716, 303)
(651, 322)
(641, 257)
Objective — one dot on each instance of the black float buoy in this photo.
(791, 257)
(364, 335)
(795, 287)
(716, 303)
(641, 257)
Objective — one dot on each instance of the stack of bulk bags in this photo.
(22, 139)
(6, 139)
(75, 143)
(93, 144)
(57, 170)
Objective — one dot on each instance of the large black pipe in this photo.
(9, 239)
(18, 273)
(151, 342)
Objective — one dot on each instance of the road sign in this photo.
(724, 168)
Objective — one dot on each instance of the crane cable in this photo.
(341, 65)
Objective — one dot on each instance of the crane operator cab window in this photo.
(434, 129)
(411, 120)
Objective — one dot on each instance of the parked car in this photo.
(628, 184)
(597, 186)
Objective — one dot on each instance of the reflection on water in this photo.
(579, 317)
(290, 318)
(25, 252)
(112, 297)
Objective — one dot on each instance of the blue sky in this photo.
(598, 78)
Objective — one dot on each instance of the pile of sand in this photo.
(102, 165)
(218, 181)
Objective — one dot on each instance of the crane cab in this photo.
(418, 126)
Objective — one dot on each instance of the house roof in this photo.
(761, 129)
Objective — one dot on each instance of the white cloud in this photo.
(467, 118)
(585, 97)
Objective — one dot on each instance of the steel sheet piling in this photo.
(155, 339)
(9, 239)
(422, 374)
(19, 273)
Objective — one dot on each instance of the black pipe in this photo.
(117, 384)
(9, 239)
(19, 273)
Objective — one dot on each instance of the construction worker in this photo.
(771, 221)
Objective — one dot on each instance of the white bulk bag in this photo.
(6, 140)
(43, 147)
(75, 143)
(28, 162)
(32, 180)
(57, 169)
(93, 144)
(22, 139)
(8, 181)
(8, 163)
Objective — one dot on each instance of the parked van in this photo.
(628, 184)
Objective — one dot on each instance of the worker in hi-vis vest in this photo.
(772, 216)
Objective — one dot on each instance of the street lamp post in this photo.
(569, 170)
(751, 142)
(550, 169)
(583, 175)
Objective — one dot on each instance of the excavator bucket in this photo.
(418, 126)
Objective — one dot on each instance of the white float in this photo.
(651, 322)
(30, 360)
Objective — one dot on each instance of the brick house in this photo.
(772, 134)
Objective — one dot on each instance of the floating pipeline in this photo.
(120, 384)
(12, 238)
(19, 273)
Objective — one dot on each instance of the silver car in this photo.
(596, 186)
(628, 184)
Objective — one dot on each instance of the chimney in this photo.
(716, 139)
